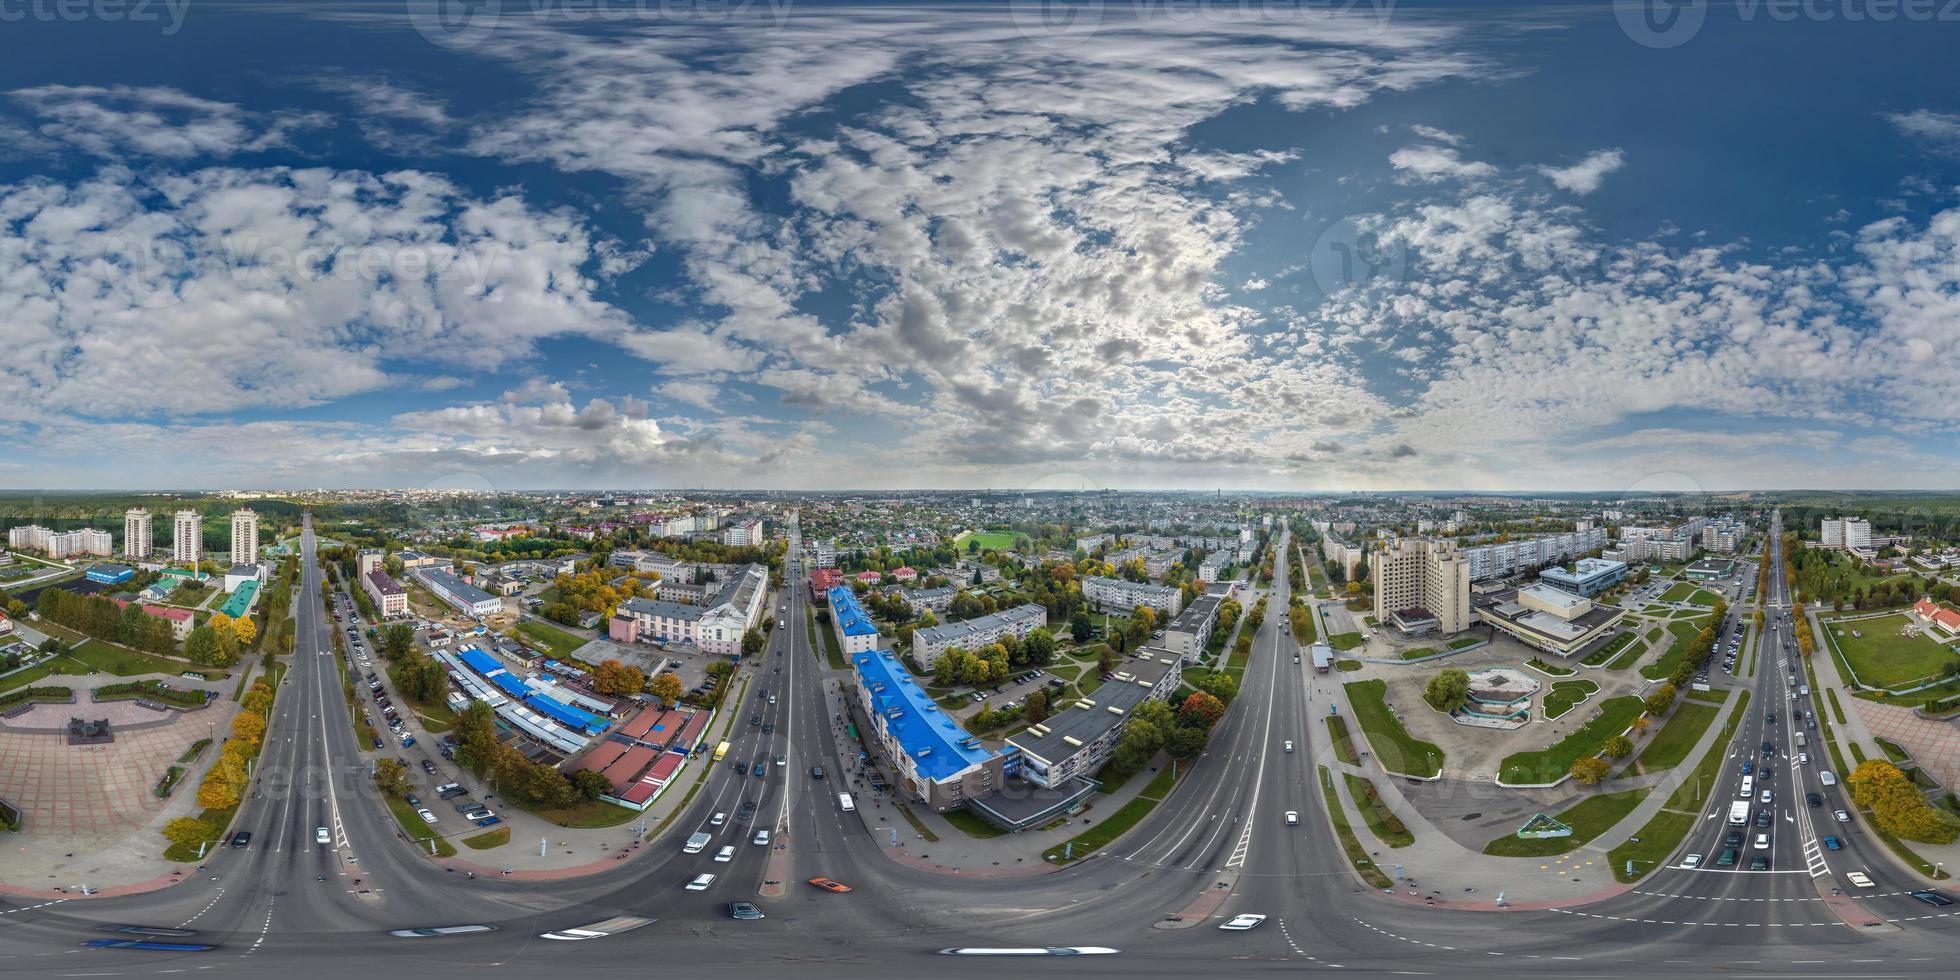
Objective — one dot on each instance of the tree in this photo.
(246, 629)
(666, 689)
(1186, 741)
(188, 832)
(615, 678)
(1201, 710)
(1037, 707)
(1220, 685)
(1448, 690)
(203, 647)
(753, 641)
(390, 776)
(397, 640)
(258, 699)
(589, 784)
(1619, 747)
(1589, 770)
(1038, 649)
(1897, 805)
(1080, 628)
(219, 791)
(248, 726)
(1662, 699)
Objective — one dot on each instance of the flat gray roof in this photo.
(1068, 731)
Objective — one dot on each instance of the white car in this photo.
(1288, 745)
(701, 882)
(1691, 861)
(1292, 818)
(321, 836)
(1858, 878)
(718, 819)
(427, 817)
(1240, 923)
(726, 854)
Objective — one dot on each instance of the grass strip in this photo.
(1394, 747)
(1549, 764)
(1675, 740)
(1588, 819)
(1337, 733)
(1349, 843)
(1382, 822)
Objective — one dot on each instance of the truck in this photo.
(697, 843)
(1739, 813)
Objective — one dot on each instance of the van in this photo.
(1739, 813)
(696, 843)
(844, 802)
(1748, 786)
(1801, 741)
(761, 837)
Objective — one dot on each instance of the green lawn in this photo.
(1344, 641)
(1468, 641)
(1678, 592)
(596, 813)
(1381, 821)
(1337, 733)
(555, 641)
(494, 837)
(970, 824)
(1394, 747)
(1554, 670)
(418, 830)
(1714, 695)
(1418, 653)
(1588, 819)
(1883, 658)
(1348, 666)
(1549, 764)
(1564, 695)
(1684, 636)
(1350, 845)
(1689, 796)
(989, 540)
(1657, 839)
(1099, 835)
(1607, 652)
(1676, 739)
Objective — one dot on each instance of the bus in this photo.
(721, 751)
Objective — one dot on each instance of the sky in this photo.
(1041, 244)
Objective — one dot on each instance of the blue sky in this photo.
(815, 245)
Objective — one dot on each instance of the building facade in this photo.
(1588, 576)
(935, 762)
(1422, 585)
(972, 634)
(467, 598)
(1191, 630)
(388, 595)
(1076, 741)
(1115, 595)
(856, 632)
(716, 625)
(244, 537)
(138, 533)
(187, 538)
(1502, 558)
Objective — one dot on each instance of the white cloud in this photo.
(1585, 176)
(121, 120)
(1425, 162)
(1940, 130)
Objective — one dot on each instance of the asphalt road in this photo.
(270, 913)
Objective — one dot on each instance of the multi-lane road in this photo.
(289, 907)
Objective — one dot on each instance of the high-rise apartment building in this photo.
(138, 532)
(1422, 585)
(1846, 532)
(244, 537)
(187, 537)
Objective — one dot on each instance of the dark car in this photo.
(768, 727)
(377, 742)
(1734, 839)
(761, 770)
(467, 806)
(1764, 817)
(755, 720)
(1931, 897)
(747, 811)
(428, 767)
(816, 772)
(1759, 863)
(241, 839)
(1726, 859)
(1814, 799)
(743, 910)
(1769, 749)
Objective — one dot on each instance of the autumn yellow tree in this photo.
(221, 785)
(667, 688)
(246, 629)
(248, 726)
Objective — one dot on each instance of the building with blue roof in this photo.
(933, 759)
(856, 633)
(109, 573)
(1588, 577)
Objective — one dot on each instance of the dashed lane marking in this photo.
(1297, 951)
(207, 908)
(30, 908)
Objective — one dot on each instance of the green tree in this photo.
(753, 641)
(1448, 690)
(1038, 649)
(204, 648)
(1186, 741)
(1080, 628)
(1619, 747)
(390, 776)
(1220, 685)
(589, 785)
(397, 640)
(1662, 699)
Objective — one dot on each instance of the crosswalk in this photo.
(1813, 857)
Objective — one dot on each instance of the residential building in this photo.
(368, 559)
(1191, 630)
(822, 554)
(938, 600)
(388, 595)
(935, 762)
(743, 533)
(28, 537)
(1550, 619)
(1117, 595)
(138, 534)
(822, 581)
(716, 625)
(238, 575)
(681, 592)
(905, 574)
(973, 634)
(83, 541)
(1501, 558)
(1422, 585)
(467, 598)
(244, 537)
(869, 577)
(1076, 741)
(180, 620)
(1938, 617)
(187, 538)
(1588, 577)
(856, 632)
(1093, 541)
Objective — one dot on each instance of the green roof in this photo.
(240, 600)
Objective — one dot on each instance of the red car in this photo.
(830, 885)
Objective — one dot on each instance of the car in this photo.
(1762, 842)
(1748, 766)
(241, 839)
(1814, 799)
(1843, 816)
(426, 816)
(428, 767)
(376, 740)
(1803, 758)
(830, 885)
(447, 790)
(408, 741)
(490, 821)
(1759, 863)
(760, 769)
(1765, 816)
(1858, 878)
(816, 772)
(1726, 859)
(1734, 839)
(1931, 897)
(747, 811)
(1769, 717)
(744, 910)
(1768, 796)
(1833, 844)
(1240, 923)
(148, 944)
(761, 837)
(483, 814)
(466, 806)
(755, 721)
(439, 931)
(726, 854)
(1769, 749)
(411, 799)
(768, 727)
(1691, 861)
(718, 819)
(321, 836)
(701, 882)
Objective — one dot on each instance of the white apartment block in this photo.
(1117, 595)
(28, 537)
(138, 532)
(187, 538)
(823, 554)
(87, 541)
(1502, 558)
(715, 626)
(744, 533)
(1422, 585)
(974, 634)
(244, 537)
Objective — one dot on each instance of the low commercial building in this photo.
(972, 634)
(388, 595)
(1550, 619)
(238, 575)
(935, 762)
(1588, 576)
(180, 620)
(1117, 595)
(467, 598)
(856, 632)
(109, 574)
(1709, 568)
(1191, 630)
(715, 625)
(1077, 740)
